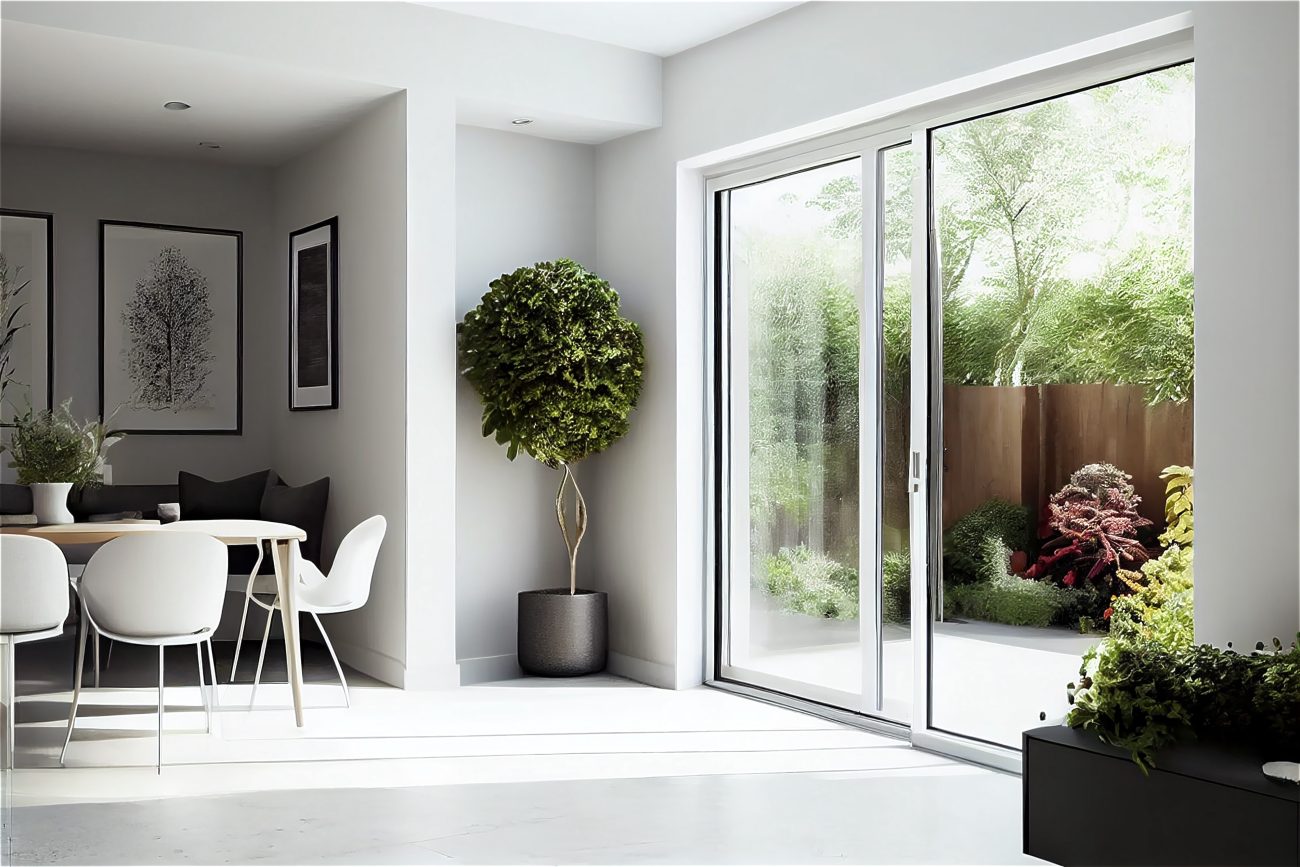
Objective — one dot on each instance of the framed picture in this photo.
(314, 317)
(171, 328)
(26, 311)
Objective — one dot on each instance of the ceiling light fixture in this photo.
(210, 145)
(175, 105)
(521, 121)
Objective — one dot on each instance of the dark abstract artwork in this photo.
(313, 317)
(168, 323)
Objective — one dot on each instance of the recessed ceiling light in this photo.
(176, 106)
(210, 145)
(522, 121)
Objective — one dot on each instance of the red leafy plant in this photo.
(1091, 529)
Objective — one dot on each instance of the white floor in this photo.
(597, 770)
(1025, 668)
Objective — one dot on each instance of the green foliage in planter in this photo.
(808, 582)
(965, 547)
(52, 446)
(1142, 696)
(896, 589)
(557, 367)
(1000, 597)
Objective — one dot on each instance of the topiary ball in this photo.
(557, 367)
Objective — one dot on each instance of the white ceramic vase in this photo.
(50, 502)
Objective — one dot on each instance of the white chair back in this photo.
(149, 585)
(33, 584)
(354, 565)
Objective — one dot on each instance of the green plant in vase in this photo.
(53, 453)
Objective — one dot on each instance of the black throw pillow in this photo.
(205, 500)
(303, 507)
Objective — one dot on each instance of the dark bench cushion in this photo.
(303, 507)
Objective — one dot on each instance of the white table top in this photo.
(232, 532)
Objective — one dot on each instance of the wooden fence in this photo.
(1021, 443)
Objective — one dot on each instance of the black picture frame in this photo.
(238, 428)
(326, 396)
(48, 218)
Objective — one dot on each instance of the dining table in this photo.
(238, 531)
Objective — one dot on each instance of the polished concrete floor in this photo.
(595, 770)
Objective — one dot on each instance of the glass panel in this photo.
(795, 276)
(1064, 236)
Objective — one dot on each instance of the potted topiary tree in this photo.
(559, 371)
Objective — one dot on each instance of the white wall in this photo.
(358, 176)
(81, 188)
(519, 200)
(445, 62)
(823, 59)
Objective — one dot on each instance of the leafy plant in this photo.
(965, 547)
(809, 582)
(1159, 608)
(1092, 527)
(52, 446)
(1178, 506)
(11, 286)
(558, 370)
(1142, 696)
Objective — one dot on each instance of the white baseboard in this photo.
(378, 665)
(482, 669)
(642, 670)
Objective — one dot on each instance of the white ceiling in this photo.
(67, 89)
(662, 28)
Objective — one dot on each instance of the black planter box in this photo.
(1088, 803)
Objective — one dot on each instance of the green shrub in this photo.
(964, 547)
(809, 582)
(1141, 696)
(1008, 599)
(52, 446)
(896, 589)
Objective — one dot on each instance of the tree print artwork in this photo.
(168, 323)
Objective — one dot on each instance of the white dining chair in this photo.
(346, 588)
(248, 597)
(33, 606)
(155, 589)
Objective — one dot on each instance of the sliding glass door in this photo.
(814, 450)
(953, 373)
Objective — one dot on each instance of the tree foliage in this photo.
(168, 324)
(557, 367)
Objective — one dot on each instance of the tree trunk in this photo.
(579, 523)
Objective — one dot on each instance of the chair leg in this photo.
(7, 692)
(96, 659)
(261, 657)
(161, 705)
(347, 701)
(108, 657)
(76, 684)
(212, 663)
(203, 689)
(243, 618)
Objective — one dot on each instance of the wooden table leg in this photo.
(285, 579)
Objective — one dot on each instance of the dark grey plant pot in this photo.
(562, 635)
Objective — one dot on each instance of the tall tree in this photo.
(168, 323)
